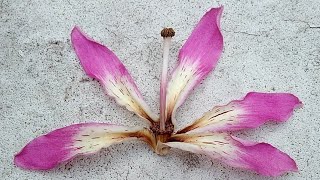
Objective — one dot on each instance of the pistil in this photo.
(167, 34)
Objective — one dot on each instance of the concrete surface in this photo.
(270, 46)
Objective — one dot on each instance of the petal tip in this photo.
(75, 31)
(22, 160)
(299, 103)
(219, 9)
(91, 54)
(277, 107)
(77, 36)
(216, 12)
(17, 160)
(266, 160)
(75, 28)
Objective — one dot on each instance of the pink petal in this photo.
(251, 112)
(259, 157)
(47, 151)
(198, 56)
(101, 63)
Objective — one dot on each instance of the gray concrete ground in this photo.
(270, 46)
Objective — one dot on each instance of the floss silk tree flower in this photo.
(209, 135)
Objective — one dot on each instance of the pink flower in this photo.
(209, 135)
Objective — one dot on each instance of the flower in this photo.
(209, 135)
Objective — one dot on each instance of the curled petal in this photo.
(47, 151)
(198, 56)
(101, 63)
(259, 157)
(251, 112)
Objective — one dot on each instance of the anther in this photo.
(167, 32)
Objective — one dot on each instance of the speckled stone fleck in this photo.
(270, 46)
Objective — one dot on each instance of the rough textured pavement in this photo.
(270, 46)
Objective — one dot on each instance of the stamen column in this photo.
(167, 34)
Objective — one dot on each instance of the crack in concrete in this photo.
(305, 22)
(241, 32)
